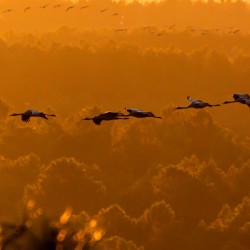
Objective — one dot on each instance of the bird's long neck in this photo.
(50, 114)
(16, 114)
(227, 102)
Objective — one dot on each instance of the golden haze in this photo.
(177, 183)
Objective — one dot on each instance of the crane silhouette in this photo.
(197, 104)
(32, 113)
(107, 116)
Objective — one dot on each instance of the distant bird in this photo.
(9, 10)
(191, 30)
(84, 7)
(103, 10)
(44, 6)
(107, 116)
(240, 98)
(32, 113)
(197, 104)
(146, 27)
(115, 14)
(235, 31)
(117, 30)
(172, 26)
(57, 6)
(26, 9)
(140, 113)
(69, 8)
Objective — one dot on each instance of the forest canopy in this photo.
(181, 182)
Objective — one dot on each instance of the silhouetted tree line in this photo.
(144, 181)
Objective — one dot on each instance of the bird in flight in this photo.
(172, 26)
(70, 8)
(115, 14)
(140, 113)
(197, 104)
(103, 10)
(26, 9)
(107, 116)
(146, 27)
(120, 29)
(240, 98)
(84, 7)
(57, 6)
(44, 6)
(9, 10)
(32, 113)
(235, 31)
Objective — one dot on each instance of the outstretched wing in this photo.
(26, 116)
(97, 120)
(111, 113)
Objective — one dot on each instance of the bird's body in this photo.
(70, 8)
(197, 104)
(172, 26)
(57, 6)
(44, 6)
(235, 31)
(84, 7)
(103, 10)
(118, 30)
(140, 113)
(26, 9)
(32, 113)
(247, 102)
(107, 116)
(9, 10)
(240, 98)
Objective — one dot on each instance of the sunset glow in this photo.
(124, 126)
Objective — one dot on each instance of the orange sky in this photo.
(181, 182)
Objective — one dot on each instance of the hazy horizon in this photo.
(181, 182)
